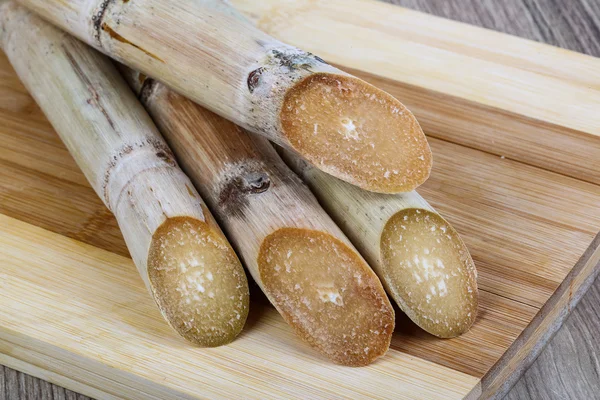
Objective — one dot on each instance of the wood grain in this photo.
(456, 66)
(77, 211)
(550, 317)
(19, 139)
(515, 281)
(19, 386)
(571, 25)
(521, 201)
(253, 82)
(503, 133)
(568, 368)
(500, 305)
(104, 333)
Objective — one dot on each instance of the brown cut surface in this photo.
(198, 281)
(525, 227)
(328, 294)
(80, 316)
(357, 132)
(504, 133)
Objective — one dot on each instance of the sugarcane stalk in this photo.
(204, 50)
(301, 260)
(419, 257)
(181, 254)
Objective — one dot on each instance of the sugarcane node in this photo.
(163, 156)
(258, 182)
(254, 78)
(160, 148)
(148, 86)
(98, 17)
(233, 196)
(182, 256)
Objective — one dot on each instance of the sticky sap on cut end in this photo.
(356, 132)
(198, 282)
(429, 272)
(328, 294)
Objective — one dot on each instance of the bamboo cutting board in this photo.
(514, 126)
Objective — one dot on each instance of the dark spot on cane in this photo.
(237, 190)
(257, 182)
(319, 59)
(254, 79)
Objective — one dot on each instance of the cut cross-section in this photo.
(356, 132)
(328, 294)
(198, 281)
(429, 272)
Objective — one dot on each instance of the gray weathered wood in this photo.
(569, 367)
(573, 24)
(18, 386)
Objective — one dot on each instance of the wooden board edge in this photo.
(74, 372)
(53, 377)
(76, 376)
(526, 348)
(96, 377)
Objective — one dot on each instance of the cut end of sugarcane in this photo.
(429, 272)
(328, 294)
(198, 282)
(356, 132)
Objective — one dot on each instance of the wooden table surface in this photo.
(569, 367)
